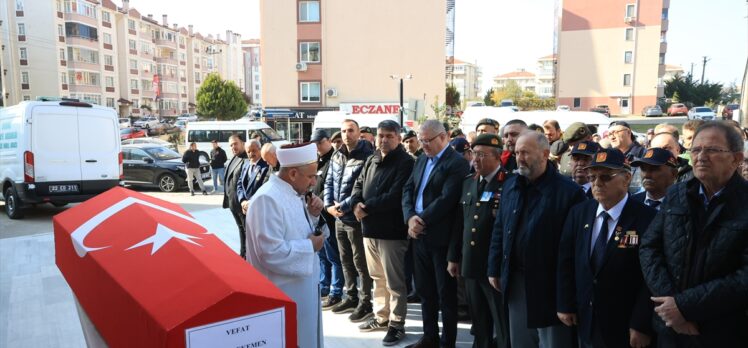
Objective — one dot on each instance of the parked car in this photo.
(162, 127)
(187, 117)
(603, 109)
(131, 133)
(181, 125)
(146, 122)
(652, 110)
(153, 141)
(727, 111)
(124, 122)
(702, 113)
(677, 109)
(563, 108)
(154, 165)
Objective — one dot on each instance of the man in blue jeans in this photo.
(217, 161)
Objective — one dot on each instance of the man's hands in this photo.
(360, 211)
(638, 339)
(333, 210)
(495, 282)
(416, 226)
(453, 268)
(317, 241)
(668, 310)
(569, 319)
(688, 328)
(314, 205)
(245, 205)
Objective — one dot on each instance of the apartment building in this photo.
(612, 52)
(318, 55)
(252, 71)
(466, 77)
(541, 82)
(109, 55)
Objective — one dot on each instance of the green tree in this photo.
(220, 99)
(691, 93)
(511, 90)
(487, 100)
(452, 96)
(530, 101)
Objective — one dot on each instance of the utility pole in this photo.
(703, 69)
(691, 73)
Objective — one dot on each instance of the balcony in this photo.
(166, 60)
(166, 43)
(167, 77)
(74, 17)
(87, 42)
(83, 65)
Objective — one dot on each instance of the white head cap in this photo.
(296, 156)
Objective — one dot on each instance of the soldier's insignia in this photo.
(601, 157)
(582, 146)
(494, 141)
(649, 153)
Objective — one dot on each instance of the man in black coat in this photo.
(581, 155)
(524, 245)
(217, 164)
(191, 159)
(695, 254)
(600, 284)
(510, 133)
(377, 197)
(230, 199)
(476, 212)
(429, 199)
(658, 172)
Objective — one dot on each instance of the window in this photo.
(630, 10)
(662, 58)
(83, 55)
(110, 102)
(131, 24)
(257, 87)
(257, 97)
(84, 78)
(197, 76)
(147, 85)
(19, 5)
(109, 81)
(64, 78)
(133, 45)
(309, 11)
(107, 39)
(310, 92)
(26, 98)
(133, 84)
(22, 53)
(664, 13)
(62, 54)
(624, 102)
(627, 79)
(309, 52)
(108, 60)
(663, 37)
(73, 29)
(257, 78)
(135, 103)
(21, 29)
(133, 64)
(80, 7)
(577, 102)
(60, 30)
(629, 34)
(106, 17)
(628, 57)
(25, 77)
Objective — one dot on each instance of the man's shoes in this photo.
(346, 306)
(331, 302)
(463, 314)
(362, 312)
(205, 193)
(373, 325)
(192, 193)
(414, 298)
(324, 292)
(424, 342)
(394, 336)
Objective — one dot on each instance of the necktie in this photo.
(482, 186)
(598, 248)
(652, 203)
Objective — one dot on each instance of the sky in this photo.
(504, 35)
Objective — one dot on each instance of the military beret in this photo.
(575, 132)
(487, 139)
(487, 121)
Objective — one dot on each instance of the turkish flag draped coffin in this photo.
(149, 275)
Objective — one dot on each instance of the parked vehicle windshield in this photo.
(162, 153)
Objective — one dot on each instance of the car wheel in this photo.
(167, 183)
(13, 204)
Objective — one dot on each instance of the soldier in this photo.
(577, 132)
(476, 213)
(412, 146)
(487, 125)
(581, 157)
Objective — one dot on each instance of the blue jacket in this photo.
(543, 233)
(249, 182)
(342, 173)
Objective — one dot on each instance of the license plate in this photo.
(63, 188)
(205, 176)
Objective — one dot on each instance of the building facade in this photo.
(466, 77)
(108, 55)
(613, 53)
(253, 71)
(540, 82)
(318, 54)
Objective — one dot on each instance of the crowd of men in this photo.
(549, 237)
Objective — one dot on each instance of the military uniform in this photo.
(576, 132)
(478, 206)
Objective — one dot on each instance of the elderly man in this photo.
(693, 256)
(429, 199)
(600, 284)
(510, 133)
(282, 242)
(581, 157)
(481, 195)
(254, 173)
(376, 198)
(487, 125)
(669, 142)
(576, 133)
(524, 245)
(268, 155)
(658, 173)
(230, 194)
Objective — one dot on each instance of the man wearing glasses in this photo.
(600, 284)
(623, 139)
(694, 255)
(429, 199)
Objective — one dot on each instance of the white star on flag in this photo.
(162, 236)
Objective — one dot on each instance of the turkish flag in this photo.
(145, 272)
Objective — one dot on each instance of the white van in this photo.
(204, 132)
(57, 152)
(564, 118)
(331, 121)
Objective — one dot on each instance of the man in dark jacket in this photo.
(658, 173)
(191, 159)
(331, 279)
(695, 254)
(580, 157)
(481, 195)
(377, 198)
(217, 161)
(524, 245)
(345, 167)
(254, 173)
(669, 142)
(233, 172)
(429, 199)
(510, 133)
(600, 284)
(410, 141)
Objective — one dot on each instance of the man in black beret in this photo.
(581, 157)
(659, 171)
(368, 135)
(412, 146)
(487, 125)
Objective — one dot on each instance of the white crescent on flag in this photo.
(79, 235)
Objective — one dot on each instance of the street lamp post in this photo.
(406, 77)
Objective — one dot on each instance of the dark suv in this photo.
(154, 165)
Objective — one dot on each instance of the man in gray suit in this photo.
(230, 201)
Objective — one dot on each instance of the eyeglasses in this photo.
(615, 132)
(427, 141)
(480, 155)
(707, 151)
(603, 177)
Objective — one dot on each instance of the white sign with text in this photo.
(266, 330)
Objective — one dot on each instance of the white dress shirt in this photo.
(615, 214)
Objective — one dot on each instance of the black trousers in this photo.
(353, 260)
(438, 291)
(490, 323)
(240, 218)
